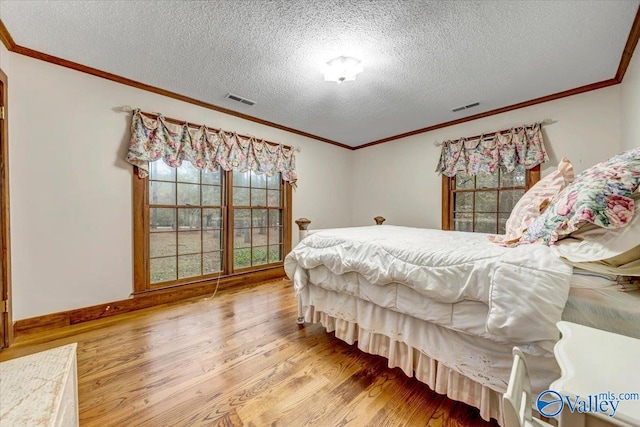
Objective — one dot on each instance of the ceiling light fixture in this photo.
(342, 69)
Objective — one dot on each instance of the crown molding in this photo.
(563, 94)
(627, 53)
(11, 46)
(629, 48)
(6, 38)
(632, 41)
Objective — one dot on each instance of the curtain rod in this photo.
(127, 108)
(490, 134)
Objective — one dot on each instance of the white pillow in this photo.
(534, 201)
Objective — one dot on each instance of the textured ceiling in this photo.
(421, 58)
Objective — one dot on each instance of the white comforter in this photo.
(525, 288)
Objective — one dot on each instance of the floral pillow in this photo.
(600, 195)
(534, 202)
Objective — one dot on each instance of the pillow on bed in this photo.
(601, 250)
(533, 202)
(625, 265)
(600, 195)
(592, 243)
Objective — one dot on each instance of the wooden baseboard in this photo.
(140, 301)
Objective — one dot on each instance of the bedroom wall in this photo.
(397, 179)
(71, 230)
(71, 190)
(630, 103)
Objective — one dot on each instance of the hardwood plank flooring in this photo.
(237, 359)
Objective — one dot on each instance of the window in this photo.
(483, 203)
(257, 219)
(194, 226)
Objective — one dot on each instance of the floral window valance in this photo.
(155, 138)
(484, 154)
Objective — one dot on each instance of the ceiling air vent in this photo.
(475, 104)
(239, 99)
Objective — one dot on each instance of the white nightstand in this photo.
(593, 362)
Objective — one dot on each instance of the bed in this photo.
(367, 285)
(447, 307)
(456, 339)
(605, 308)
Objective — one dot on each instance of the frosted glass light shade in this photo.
(342, 69)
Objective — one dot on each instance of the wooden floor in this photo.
(237, 359)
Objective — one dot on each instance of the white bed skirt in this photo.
(436, 375)
(466, 368)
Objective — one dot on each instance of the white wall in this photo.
(630, 103)
(397, 179)
(71, 218)
(71, 189)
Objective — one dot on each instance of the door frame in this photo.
(6, 334)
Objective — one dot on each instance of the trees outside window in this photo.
(195, 225)
(483, 203)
